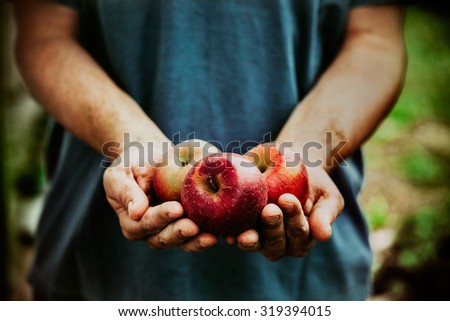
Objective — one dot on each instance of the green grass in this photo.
(425, 97)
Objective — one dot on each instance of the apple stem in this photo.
(262, 168)
(212, 183)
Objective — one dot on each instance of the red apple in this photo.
(175, 164)
(224, 194)
(282, 169)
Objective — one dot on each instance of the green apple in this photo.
(175, 164)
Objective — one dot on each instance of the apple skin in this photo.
(175, 164)
(224, 194)
(283, 171)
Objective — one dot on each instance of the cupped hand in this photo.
(127, 183)
(290, 228)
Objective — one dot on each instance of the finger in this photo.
(154, 220)
(307, 207)
(199, 243)
(273, 232)
(143, 177)
(174, 234)
(296, 224)
(160, 216)
(299, 239)
(123, 192)
(324, 213)
(248, 241)
(131, 229)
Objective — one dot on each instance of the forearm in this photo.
(350, 99)
(75, 90)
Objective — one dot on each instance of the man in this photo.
(148, 71)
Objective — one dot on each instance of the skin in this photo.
(366, 76)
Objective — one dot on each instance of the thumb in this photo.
(137, 202)
(320, 224)
(124, 193)
(323, 214)
(326, 203)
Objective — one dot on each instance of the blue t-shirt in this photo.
(229, 71)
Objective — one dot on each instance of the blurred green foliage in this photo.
(378, 212)
(422, 167)
(415, 139)
(426, 93)
(420, 236)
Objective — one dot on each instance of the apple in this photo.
(224, 194)
(282, 169)
(175, 164)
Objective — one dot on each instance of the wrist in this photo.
(326, 153)
(145, 148)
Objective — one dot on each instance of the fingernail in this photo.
(289, 206)
(130, 207)
(184, 233)
(248, 245)
(173, 215)
(202, 245)
(188, 233)
(272, 220)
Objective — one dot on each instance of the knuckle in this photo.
(179, 233)
(275, 242)
(273, 257)
(157, 243)
(185, 247)
(162, 243)
(149, 227)
(299, 232)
